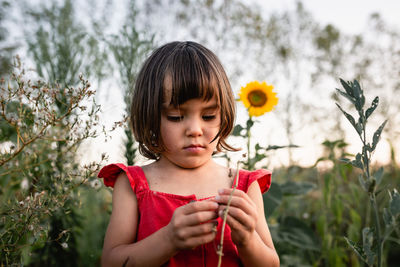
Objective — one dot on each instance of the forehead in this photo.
(179, 89)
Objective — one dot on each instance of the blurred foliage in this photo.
(6, 49)
(129, 48)
(60, 46)
(39, 137)
(309, 229)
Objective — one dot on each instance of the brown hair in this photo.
(194, 72)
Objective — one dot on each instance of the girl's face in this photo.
(187, 132)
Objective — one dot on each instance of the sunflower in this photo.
(258, 98)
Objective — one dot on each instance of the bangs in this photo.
(190, 75)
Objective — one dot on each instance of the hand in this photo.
(191, 225)
(242, 215)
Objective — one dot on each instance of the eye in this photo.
(209, 117)
(174, 118)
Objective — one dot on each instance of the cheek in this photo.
(167, 133)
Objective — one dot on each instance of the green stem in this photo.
(365, 152)
(248, 135)
(378, 228)
(372, 195)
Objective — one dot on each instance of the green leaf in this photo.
(344, 160)
(274, 147)
(237, 130)
(356, 248)
(296, 188)
(257, 147)
(348, 97)
(272, 199)
(368, 240)
(395, 203)
(388, 218)
(348, 116)
(377, 135)
(298, 234)
(368, 147)
(371, 109)
(359, 127)
(357, 162)
(348, 87)
(364, 184)
(358, 95)
(378, 175)
(249, 123)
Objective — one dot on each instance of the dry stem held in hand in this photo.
(221, 243)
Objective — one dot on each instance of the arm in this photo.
(183, 231)
(250, 231)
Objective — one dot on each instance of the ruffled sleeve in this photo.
(262, 176)
(110, 173)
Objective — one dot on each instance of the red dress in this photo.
(156, 209)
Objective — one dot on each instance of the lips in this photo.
(194, 148)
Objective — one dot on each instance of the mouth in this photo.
(194, 148)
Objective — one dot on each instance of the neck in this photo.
(167, 166)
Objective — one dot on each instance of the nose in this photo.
(194, 127)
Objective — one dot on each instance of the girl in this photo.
(169, 211)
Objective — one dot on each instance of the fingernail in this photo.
(217, 197)
(215, 222)
(220, 191)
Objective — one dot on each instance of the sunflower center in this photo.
(257, 98)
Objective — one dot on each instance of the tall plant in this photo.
(129, 48)
(37, 199)
(375, 236)
(61, 48)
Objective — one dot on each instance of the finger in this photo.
(189, 235)
(236, 201)
(234, 224)
(202, 229)
(200, 240)
(236, 192)
(200, 217)
(248, 220)
(197, 206)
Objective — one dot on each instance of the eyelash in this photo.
(175, 118)
(208, 117)
(179, 118)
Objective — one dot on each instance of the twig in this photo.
(221, 243)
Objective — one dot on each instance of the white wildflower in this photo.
(25, 184)
(95, 184)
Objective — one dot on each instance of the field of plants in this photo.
(342, 210)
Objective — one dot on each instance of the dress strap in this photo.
(136, 176)
(262, 176)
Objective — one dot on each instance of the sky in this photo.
(350, 16)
